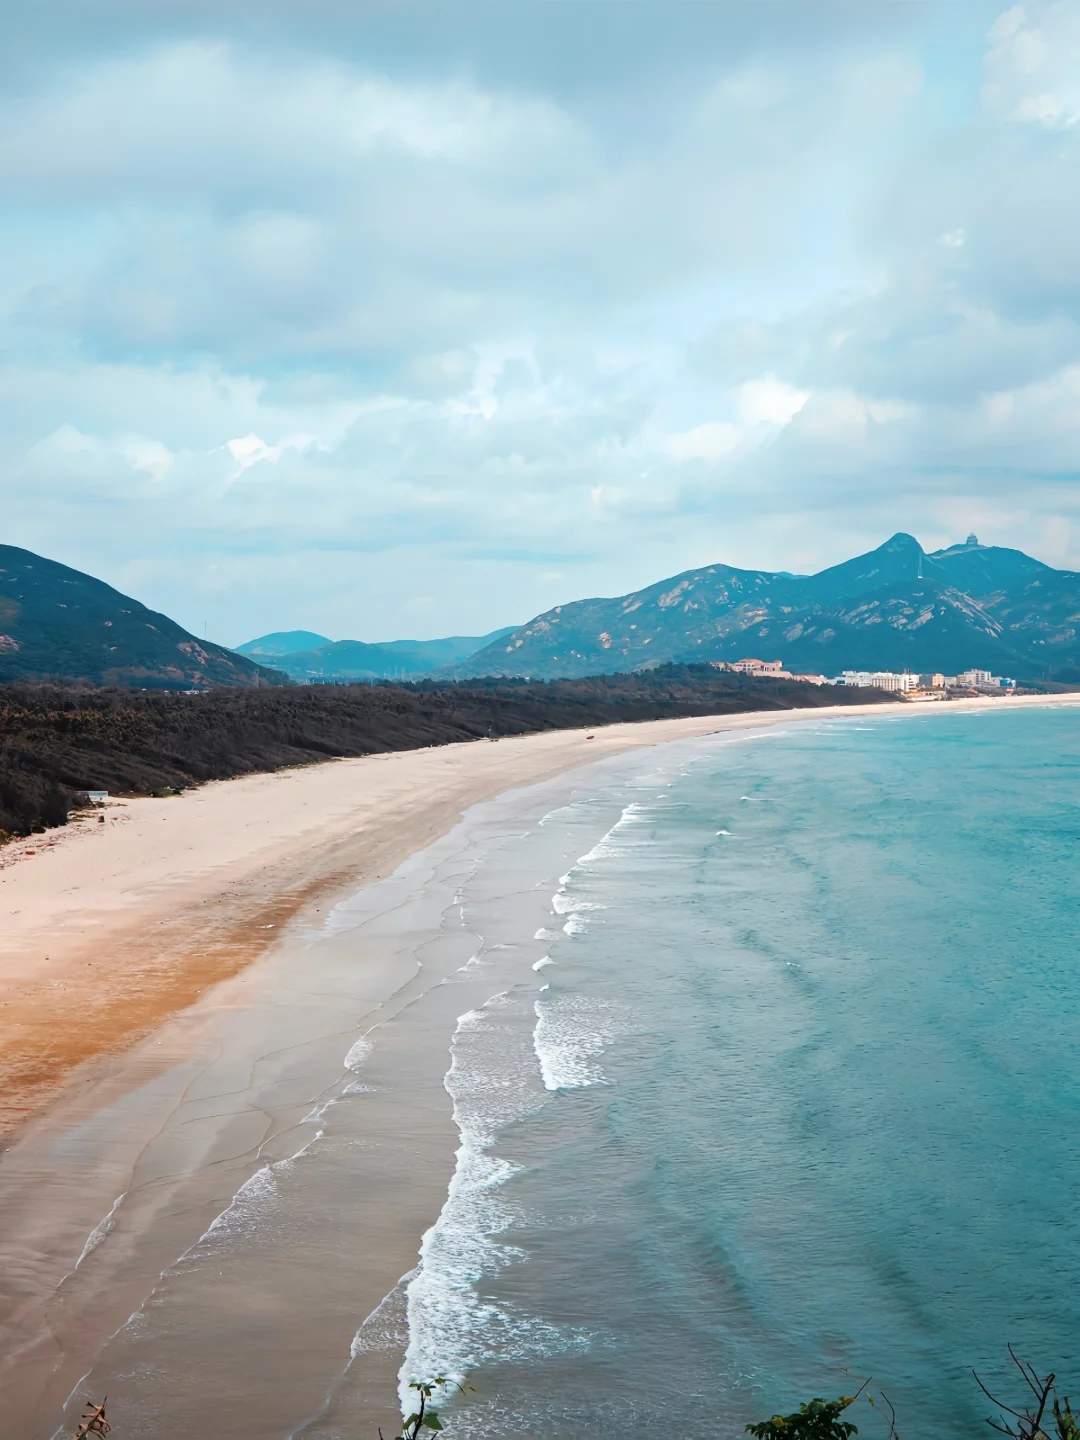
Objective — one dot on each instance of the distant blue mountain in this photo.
(363, 660)
(281, 642)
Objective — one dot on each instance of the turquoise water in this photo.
(810, 1090)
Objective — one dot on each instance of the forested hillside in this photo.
(58, 624)
(57, 742)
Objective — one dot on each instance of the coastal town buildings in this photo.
(934, 685)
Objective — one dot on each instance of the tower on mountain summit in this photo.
(972, 539)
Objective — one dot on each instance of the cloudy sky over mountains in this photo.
(389, 319)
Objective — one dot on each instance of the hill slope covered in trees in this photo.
(59, 624)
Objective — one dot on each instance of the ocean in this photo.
(764, 1076)
(792, 1101)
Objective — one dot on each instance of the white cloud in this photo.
(711, 441)
(150, 456)
(835, 418)
(202, 106)
(74, 460)
(249, 450)
(1033, 64)
(768, 401)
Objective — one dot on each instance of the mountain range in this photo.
(895, 607)
(304, 655)
(60, 624)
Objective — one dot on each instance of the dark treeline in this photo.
(56, 743)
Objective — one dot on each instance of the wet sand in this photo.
(163, 1108)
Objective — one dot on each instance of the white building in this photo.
(750, 666)
(897, 682)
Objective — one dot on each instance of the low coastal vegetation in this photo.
(57, 743)
(1042, 1413)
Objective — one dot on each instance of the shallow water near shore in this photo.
(762, 1076)
(814, 1083)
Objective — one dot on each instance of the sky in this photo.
(389, 319)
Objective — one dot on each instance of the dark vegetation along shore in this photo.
(56, 743)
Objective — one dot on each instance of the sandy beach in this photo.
(165, 1033)
(109, 928)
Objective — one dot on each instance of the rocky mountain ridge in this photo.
(892, 608)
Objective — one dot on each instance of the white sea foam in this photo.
(318, 1112)
(575, 925)
(574, 908)
(571, 1032)
(447, 1319)
(358, 1052)
(253, 1202)
(632, 814)
(723, 832)
(386, 1328)
(564, 904)
(101, 1230)
(242, 1214)
(559, 810)
(544, 960)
